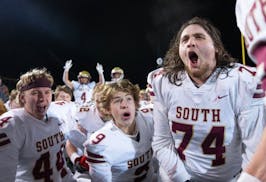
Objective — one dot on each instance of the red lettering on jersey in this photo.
(194, 113)
(145, 110)
(60, 103)
(84, 109)
(50, 141)
(254, 11)
(4, 120)
(242, 68)
(98, 138)
(140, 159)
(159, 72)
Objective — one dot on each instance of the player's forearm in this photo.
(163, 146)
(101, 78)
(70, 148)
(169, 160)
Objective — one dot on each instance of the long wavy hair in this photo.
(173, 65)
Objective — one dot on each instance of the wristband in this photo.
(73, 157)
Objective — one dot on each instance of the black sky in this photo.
(129, 34)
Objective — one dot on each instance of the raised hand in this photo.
(68, 65)
(99, 68)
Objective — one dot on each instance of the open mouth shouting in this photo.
(126, 116)
(193, 57)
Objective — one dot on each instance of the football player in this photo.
(117, 74)
(90, 119)
(121, 149)
(208, 109)
(82, 89)
(13, 101)
(32, 144)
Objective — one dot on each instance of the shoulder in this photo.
(145, 117)
(7, 119)
(154, 75)
(103, 135)
(246, 81)
(14, 117)
(100, 140)
(91, 84)
(12, 127)
(75, 84)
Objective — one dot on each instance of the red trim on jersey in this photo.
(4, 120)
(95, 158)
(95, 161)
(4, 142)
(152, 93)
(94, 155)
(259, 86)
(259, 95)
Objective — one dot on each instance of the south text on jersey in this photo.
(50, 141)
(193, 114)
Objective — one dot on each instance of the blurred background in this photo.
(128, 34)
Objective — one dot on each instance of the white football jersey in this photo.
(31, 149)
(250, 16)
(66, 112)
(209, 127)
(115, 156)
(83, 92)
(89, 121)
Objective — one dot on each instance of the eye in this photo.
(48, 92)
(116, 100)
(184, 39)
(129, 98)
(34, 93)
(199, 36)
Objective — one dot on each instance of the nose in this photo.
(41, 96)
(191, 42)
(124, 103)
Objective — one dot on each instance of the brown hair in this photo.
(63, 88)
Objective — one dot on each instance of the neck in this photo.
(130, 130)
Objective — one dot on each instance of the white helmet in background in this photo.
(117, 74)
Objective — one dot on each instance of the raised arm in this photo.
(99, 69)
(66, 80)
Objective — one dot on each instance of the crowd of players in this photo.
(200, 119)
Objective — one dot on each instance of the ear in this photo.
(22, 98)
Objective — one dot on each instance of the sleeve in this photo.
(163, 143)
(250, 17)
(100, 168)
(251, 118)
(9, 148)
(75, 84)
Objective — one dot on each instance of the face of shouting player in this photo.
(197, 52)
(36, 101)
(123, 110)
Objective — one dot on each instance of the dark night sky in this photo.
(129, 34)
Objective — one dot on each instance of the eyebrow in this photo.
(117, 97)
